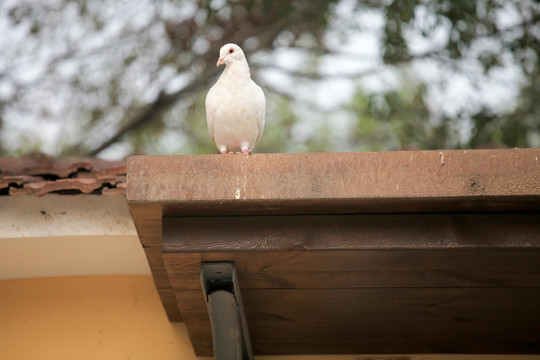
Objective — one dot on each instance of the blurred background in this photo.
(110, 78)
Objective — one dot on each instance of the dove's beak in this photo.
(220, 61)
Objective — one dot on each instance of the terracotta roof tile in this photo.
(39, 174)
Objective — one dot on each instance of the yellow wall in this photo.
(111, 317)
(89, 317)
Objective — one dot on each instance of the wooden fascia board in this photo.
(383, 182)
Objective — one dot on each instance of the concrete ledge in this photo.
(68, 235)
(64, 215)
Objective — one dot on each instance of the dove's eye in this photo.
(231, 51)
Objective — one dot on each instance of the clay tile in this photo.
(18, 176)
(18, 180)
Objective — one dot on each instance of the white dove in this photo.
(235, 105)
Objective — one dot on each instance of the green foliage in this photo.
(394, 44)
(469, 23)
(196, 130)
(394, 120)
(277, 133)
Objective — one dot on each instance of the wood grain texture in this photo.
(393, 283)
(402, 181)
(170, 304)
(351, 232)
(384, 320)
(147, 218)
(365, 269)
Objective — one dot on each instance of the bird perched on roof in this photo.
(235, 105)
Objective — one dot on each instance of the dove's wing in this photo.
(260, 113)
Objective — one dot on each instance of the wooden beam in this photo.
(380, 320)
(399, 250)
(402, 181)
(351, 232)
(366, 269)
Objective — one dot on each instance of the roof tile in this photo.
(39, 174)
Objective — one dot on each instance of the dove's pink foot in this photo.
(224, 152)
(246, 152)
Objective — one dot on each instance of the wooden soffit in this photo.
(388, 252)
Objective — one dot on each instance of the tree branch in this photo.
(162, 103)
(317, 76)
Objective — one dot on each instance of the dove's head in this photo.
(230, 53)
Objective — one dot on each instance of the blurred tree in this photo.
(487, 34)
(123, 77)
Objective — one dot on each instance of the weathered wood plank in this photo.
(365, 269)
(147, 218)
(415, 320)
(405, 250)
(351, 232)
(157, 267)
(403, 181)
